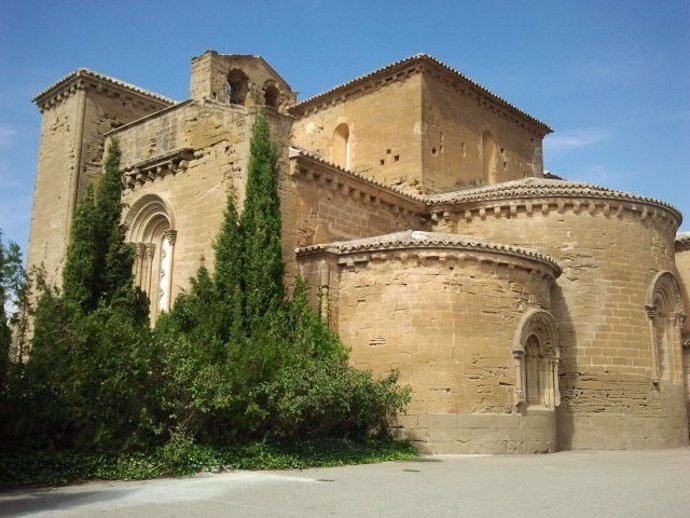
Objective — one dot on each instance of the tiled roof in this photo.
(102, 77)
(408, 61)
(294, 151)
(534, 187)
(420, 239)
(683, 241)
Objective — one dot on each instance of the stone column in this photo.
(165, 283)
(651, 314)
(519, 363)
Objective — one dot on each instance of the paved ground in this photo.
(565, 484)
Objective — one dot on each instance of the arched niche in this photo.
(151, 226)
(489, 158)
(271, 94)
(535, 354)
(665, 315)
(341, 146)
(238, 86)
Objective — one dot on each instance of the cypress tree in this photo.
(5, 335)
(228, 272)
(99, 262)
(118, 257)
(80, 283)
(260, 224)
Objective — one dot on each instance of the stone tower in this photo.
(76, 113)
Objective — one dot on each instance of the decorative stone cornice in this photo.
(171, 162)
(311, 167)
(417, 64)
(683, 241)
(83, 78)
(543, 195)
(414, 240)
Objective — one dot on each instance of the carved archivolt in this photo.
(664, 308)
(536, 354)
(150, 227)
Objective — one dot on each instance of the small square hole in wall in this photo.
(388, 151)
(434, 151)
(396, 158)
(382, 161)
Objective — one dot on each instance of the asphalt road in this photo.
(566, 484)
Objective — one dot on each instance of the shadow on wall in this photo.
(565, 420)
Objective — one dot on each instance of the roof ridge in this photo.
(533, 186)
(410, 59)
(103, 77)
(318, 158)
(425, 239)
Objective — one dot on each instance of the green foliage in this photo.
(260, 223)
(228, 275)
(116, 283)
(86, 384)
(183, 457)
(5, 334)
(98, 268)
(80, 277)
(232, 375)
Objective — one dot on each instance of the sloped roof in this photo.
(295, 152)
(85, 72)
(683, 241)
(417, 58)
(422, 239)
(534, 187)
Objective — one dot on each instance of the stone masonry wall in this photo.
(321, 204)
(610, 251)
(683, 266)
(446, 320)
(454, 122)
(74, 121)
(218, 136)
(384, 130)
(50, 216)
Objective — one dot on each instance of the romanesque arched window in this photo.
(665, 316)
(489, 158)
(271, 94)
(341, 146)
(151, 230)
(536, 353)
(238, 86)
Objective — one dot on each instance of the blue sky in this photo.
(610, 77)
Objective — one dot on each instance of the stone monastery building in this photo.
(528, 313)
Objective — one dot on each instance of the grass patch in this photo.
(184, 457)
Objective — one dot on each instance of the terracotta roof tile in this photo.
(408, 61)
(295, 151)
(421, 239)
(534, 187)
(102, 77)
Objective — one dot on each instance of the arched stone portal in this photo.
(151, 230)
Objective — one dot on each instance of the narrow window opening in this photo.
(238, 87)
(489, 158)
(271, 96)
(341, 146)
